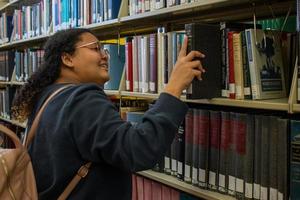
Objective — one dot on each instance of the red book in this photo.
(147, 189)
(231, 66)
(134, 189)
(166, 193)
(128, 56)
(140, 187)
(175, 195)
(156, 191)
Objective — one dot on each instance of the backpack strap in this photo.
(82, 172)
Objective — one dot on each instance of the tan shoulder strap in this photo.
(82, 172)
(37, 118)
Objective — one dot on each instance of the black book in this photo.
(206, 39)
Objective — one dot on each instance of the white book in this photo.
(145, 63)
(135, 75)
(265, 64)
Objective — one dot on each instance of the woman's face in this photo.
(90, 61)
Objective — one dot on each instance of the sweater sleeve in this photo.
(102, 136)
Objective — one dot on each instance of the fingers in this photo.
(194, 54)
(183, 49)
(196, 64)
(197, 74)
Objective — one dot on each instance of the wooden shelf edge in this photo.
(185, 187)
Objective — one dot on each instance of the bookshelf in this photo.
(206, 10)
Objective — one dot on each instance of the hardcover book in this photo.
(206, 39)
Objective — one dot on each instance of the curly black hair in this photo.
(61, 42)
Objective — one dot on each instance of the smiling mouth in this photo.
(105, 66)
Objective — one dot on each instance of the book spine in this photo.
(295, 160)
(224, 142)
(214, 149)
(196, 118)
(188, 156)
(203, 142)
(282, 166)
(257, 156)
(249, 157)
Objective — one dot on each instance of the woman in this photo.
(81, 124)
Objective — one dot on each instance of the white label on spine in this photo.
(254, 91)
(136, 85)
(256, 191)
(152, 86)
(249, 190)
(263, 193)
(187, 171)
(195, 173)
(273, 194)
(231, 185)
(221, 180)
(127, 85)
(232, 88)
(212, 178)
(239, 185)
(225, 93)
(247, 91)
(279, 196)
(167, 162)
(179, 167)
(202, 175)
(174, 165)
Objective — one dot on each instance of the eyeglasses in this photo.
(99, 48)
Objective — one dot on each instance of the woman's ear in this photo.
(67, 60)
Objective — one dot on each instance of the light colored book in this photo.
(265, 64)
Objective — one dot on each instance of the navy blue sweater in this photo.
(81, 125)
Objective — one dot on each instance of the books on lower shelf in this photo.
(240, 154)
(147, 189)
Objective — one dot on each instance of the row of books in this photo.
(6, 99)
(146, 189)
(141, 6)
(248, 66)
(20, 65)
(240, 154)
(150, 60)
(52, 15)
